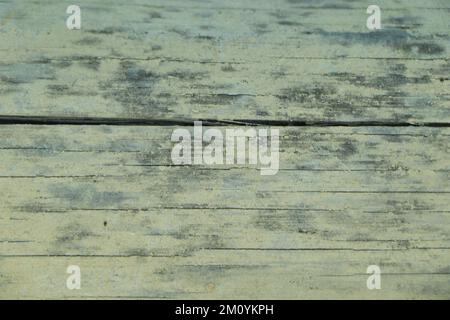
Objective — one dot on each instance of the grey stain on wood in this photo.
(364, 150)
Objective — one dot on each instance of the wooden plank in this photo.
(414, 274)
(295, 61)
(108, 198)
(359, 183)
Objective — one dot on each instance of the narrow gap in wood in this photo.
(42, 120)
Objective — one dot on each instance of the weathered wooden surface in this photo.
(344, 198)
(227, 60)
(365, 188)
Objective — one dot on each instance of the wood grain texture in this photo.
(233, 60)
(86, 176)
(344, 198)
